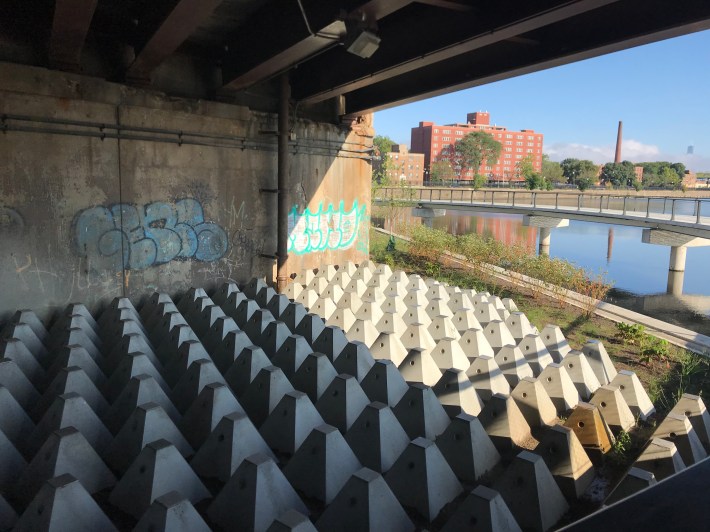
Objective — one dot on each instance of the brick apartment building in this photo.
(430, 139)
(405, 166)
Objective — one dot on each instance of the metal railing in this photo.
(691, 210)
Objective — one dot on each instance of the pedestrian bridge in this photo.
(683, 216)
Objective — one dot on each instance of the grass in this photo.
(666, 372)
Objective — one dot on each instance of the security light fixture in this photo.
(361, 42)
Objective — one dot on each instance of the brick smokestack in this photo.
(617, 157)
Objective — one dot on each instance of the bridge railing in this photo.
(652, 207)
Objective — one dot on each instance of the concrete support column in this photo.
(282, 215)
(427, 215)
(545, 238)
(675, 282)
(678, 254)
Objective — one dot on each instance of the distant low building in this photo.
(405, 166)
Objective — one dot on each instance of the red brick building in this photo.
(430, 139)
(405, 166)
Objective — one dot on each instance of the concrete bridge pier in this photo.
(427, 214)
(679, 245)
(545, 224)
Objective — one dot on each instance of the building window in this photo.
(519, 137)
(507, 156)
(518, 156)
(508, 142)
(518, 143)
(509, 136)
(489, 168)
(436, 145)
(529, 151)
(446, 131)
(519, 150)
(530, 137)
(436, 131)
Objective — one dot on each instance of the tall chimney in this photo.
(617, 157)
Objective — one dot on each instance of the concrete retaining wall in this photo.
(86, 216)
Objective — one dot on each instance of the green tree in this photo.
(579, 169)
(552, 170)
(618, 174)
(526, 170)
(480, 181)
(583, 183)
(382, 163)
(440, 171)
(469, 152)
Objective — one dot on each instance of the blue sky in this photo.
(660, 91)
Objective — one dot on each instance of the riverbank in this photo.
(666, 371)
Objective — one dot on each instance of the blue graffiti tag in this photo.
(310, 232)
(124, 236)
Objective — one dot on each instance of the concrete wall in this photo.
(85, 218)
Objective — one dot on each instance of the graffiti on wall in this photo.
(135, 238)
(325, 229)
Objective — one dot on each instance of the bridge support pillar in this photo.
(679, 245)
(427, 215)
(545, 224)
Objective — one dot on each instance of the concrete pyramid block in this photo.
(189, 352)
(332, 293)
(384, 270)
(244, 312)
(331, 341)
(534, 402)
(678, 429)
(71, 310)
(225, 290)
(591, 429)
(419, 366)
(255, 495)
(322, 465)
(62, 333)
(246, 366)
(230, 349)
(415, 282)
(14, 421)
(384, 383)
(393, 304)
(164, 326)
(341, 278)
(530, 492)
(254, 286)
(264, 295)
(465, 319)
(290, 423)
(456, 393)
(509, 304)
(376, 437)
(77, 336)
(289, 357)
(8, 516)
(633, 393)
(497, 334)
(363, 331)
(70, 410)
(391, 323)
(55, 508)
(317, 285)
(292, 315)
(422, 479)
(388, 346)
(294, 290)
(693, 407)
(171, 512)
(257, 324)
(518, 325)
(129, 366)
(140, 390)
(441, 327)
(216, 334)
(613, 408)
(567, 460)
(157, 470)
(420, 413)
(661, 458)
(475, 344)
(369, 311)
(324, 307)
(314, 375)
(448, 354)
(351, 301)
(485, 510)
(72, 379)
(555, 342)
(486, 312)
(200, 373)
(399, 277)
(467, 448)
(203, 321)
(273, 337)
(581, 373)
(512, 363)
(264, 393)
(13, 349)
(75, 355)
(168, 349)
(437, 308)
(437, 292)
(305, 276)
(151, 316)
(64, 451)
(600, 361)
(14, 380)
(487, 378)
(361, 275)
(13, 464)
(148, 423)
(416, 298)
(213, 403)
(559, 387)
(355, 360)
(635, 480)
(234, 438)
(366, 502)
(25, 333)
(342, 317)
(30, 318)
(342, 402)
(310, 327)
(349, 267)
(416, 316)
(189, 297)
(373, 294)
(505, 424)
(416, 336)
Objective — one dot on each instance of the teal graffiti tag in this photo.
(329, 229)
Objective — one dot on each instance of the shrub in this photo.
(630, 334)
